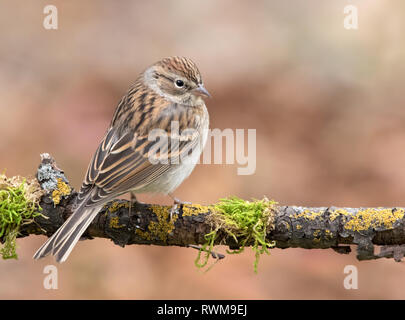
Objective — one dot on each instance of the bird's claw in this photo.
(176, 204)
(173, 210)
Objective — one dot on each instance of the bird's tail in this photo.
(62, 242)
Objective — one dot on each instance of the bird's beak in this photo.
(201, 91)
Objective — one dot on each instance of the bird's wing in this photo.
(122, 163)
(119, 164)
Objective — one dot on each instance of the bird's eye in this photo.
(179, 83)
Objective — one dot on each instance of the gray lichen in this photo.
(48, 177)
(52, 179)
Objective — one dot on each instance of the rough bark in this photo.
(294, 227)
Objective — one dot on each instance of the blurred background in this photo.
(327, 104)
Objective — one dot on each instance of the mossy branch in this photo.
(236, 223)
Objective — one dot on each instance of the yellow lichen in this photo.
(310, 215)
(195, 209)
(159, 229)
(316, 233)
(61, 190)
(143, 234)
(328, 234)
(373, 218)
(299, 226)
(336, 214)
(317, 236)
(115, 206)
(369, 218)
(114, 223)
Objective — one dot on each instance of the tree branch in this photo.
(292, 226)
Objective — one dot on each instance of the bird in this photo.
(169, 94)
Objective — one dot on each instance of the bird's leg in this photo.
(132, 197)
(176, 204)
(177, 200)
(132, 201)
(215, 255)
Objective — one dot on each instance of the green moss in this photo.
(18, 205)
(246, 221)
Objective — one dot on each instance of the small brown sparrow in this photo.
(170, 91)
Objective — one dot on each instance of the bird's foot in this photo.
(177, 200)
(176, 204)
(173, 210)
(132, 201)
(133, 198)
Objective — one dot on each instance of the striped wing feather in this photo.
(119, 165)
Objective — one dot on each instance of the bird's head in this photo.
(177, 79)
